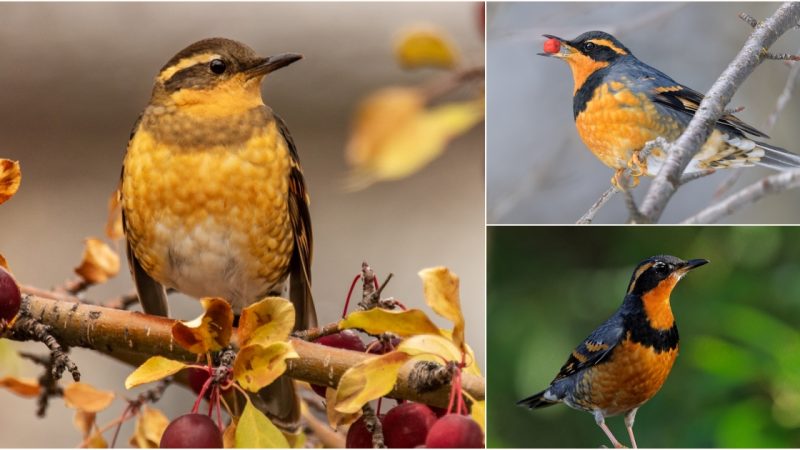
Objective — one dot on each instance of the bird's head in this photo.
(586, 54)
(660, 273)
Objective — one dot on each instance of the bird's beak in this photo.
(691, 264)
(564, 51)
(272, 63)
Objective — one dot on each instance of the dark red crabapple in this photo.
(358, 436)
(455, 431)
(10, 297)
(346, 339)
(192, 431)
(407, 425)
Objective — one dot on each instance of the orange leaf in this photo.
(20, 386)
(259, 365)
(99, 263)
(114, 229)
(84, 421)
(266, 321)
(208, 333)
(229, 436)
(10, 177)
(86, 397)
(4, 263)
(441, 293)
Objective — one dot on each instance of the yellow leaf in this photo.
(259, 365)
(99, 262)
(154, 369)
(208, 333)
(378, 320)
(336, 418)
(10, 361)
(10, 177)
(441, 292)
(370, 379)
(478, 411)
(84, 421)
(229, 436)
(295, 440)
(97, 441)
(150, 425)
(86, 397)
(254, 430)
(21, 386)
(269, 320)
(425, 47)
(114, 229)
(428, 344)
(395, 136)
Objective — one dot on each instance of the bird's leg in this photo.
(630, 416)
(601, 422)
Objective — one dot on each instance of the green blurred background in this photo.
(736, 382)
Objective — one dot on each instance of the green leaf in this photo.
(254, 430)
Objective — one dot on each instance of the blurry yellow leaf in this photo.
(229, 436)
(154, 369)
(254, 430)
(114, 229)
(257, 365)
(4, 263)
(394, 136)
(86, 397)
(478, 411)
(425, 47)
(97, 441)
(368, 380)
(472, 364)
(441, 293)
(10, 361)
(99, 263)
(208, 333)
(428, 344)
(378, 320)
(20, 386)
(269, 320)
(336, 418)
(10, 177)
(295, 440)
(84, 421)
(150, 425)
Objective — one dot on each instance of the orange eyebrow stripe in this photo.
(609, 44)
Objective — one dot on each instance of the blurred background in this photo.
(736, 382)
(76, 75)
(538, 169)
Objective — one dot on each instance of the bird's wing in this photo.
(300, 264)
(683, 100)
(594, 348)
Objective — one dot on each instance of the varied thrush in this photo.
(625, 361)
(620, 103)
(213, 197)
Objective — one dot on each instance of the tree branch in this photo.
(711, 108)
(132, 337)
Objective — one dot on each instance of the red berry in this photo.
(10, 297)
(406, 425)
(379, 347)
(455, 431)
(358, 436)
(346, 339)
(192, 431)
(552, 45)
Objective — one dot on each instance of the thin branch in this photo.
(588, 216)
(689, 143)
(770, 185)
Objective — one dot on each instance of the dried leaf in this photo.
(99, 263)
(150, 425)
(378, 320)
(84, 421)
(428, 344)
(395, 136)
(97, 441)
(441, 293)
(254, 430)
(4, 263)
(114, 229)
(336, 418)
(208, 333)
(259, 365)
(24, 387)
(10, 177)
(154, 369)
(425, 47)
(86, 397)
(269, 320)
(229, 436)
(368, 380)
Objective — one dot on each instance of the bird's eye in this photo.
(589, 46)
(660, 267)
(218, 66)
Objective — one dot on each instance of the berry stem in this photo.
(203, 390)
(349, 294)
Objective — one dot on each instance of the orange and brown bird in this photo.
(213, 197)
(620, 104)
(625, 361)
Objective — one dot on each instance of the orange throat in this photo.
(582, 68)
(656, 304)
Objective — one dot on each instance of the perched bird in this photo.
(620, 103)
(213, 197)
(625, 361)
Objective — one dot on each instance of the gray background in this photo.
(539, 171)
(74, 78)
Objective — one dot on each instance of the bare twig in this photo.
(770, 185)
(588, 216)
(784, 98)
(688, 144)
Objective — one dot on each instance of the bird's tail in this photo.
(778, 158)
(536, 401)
